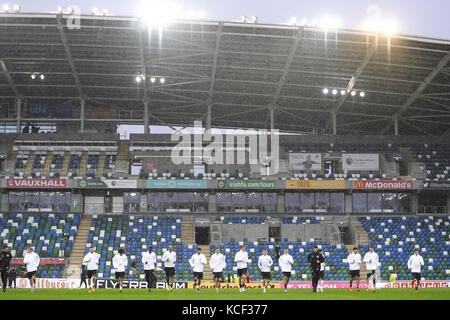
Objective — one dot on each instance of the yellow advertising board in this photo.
(315, 184)
(232, 285)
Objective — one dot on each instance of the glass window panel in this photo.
(292, 202)
(269, 200)
(239, 200)
(62, 201)
(31, 201)
(322, 201)
(307, 201)
(359, 201)
(374, 202)
(170, 201)
(154, 202)
(47, 200)
(185, 200)
(200, 202)
(223, 201)
(404, 203)
(389, 202)
(254, 200)
(16, 201)
(337, 202)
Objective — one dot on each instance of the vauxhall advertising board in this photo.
(36, 183)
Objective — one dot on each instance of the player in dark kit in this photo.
(5, 259)
(314, 261)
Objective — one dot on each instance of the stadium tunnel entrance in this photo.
(202, 235)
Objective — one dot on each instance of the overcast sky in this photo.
(416, 17)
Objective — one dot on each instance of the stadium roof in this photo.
(252, 75)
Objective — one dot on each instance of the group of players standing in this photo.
(198, 261)
(315, 259)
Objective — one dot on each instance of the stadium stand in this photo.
(395, 238)
(51, 235)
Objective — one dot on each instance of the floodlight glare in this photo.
(33, 76)
(325, 91)
(335, 91)
(353, 93)
(16, 8)
(138, 79)
(60, 9)
(42, 77)
(293, 21)
(152, 79)
(94, 10)
(362, 94)
(157, 12)
(162, 80)
(342, 92)
(6, 7)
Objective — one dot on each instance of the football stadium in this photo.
(197, 159)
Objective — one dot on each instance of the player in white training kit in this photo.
(169, 257)
(197, 262)
(217, 264)
(149, 261)
(371, 260)
(120, 263)
(415, 264)
(286, 261)
(91, 259)
(31, 260)
(241, 259)
(354, 260)
(264, 264)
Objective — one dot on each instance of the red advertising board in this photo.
(384, 185)
(36, 183)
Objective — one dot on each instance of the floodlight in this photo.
(42, 76)
(33, 76)
(353, 93)
(335, 91)
(6, 7)
(362, 94)
(342, 92)
(325, 91)
(152, 79)
(162, 80)
(138, 79)
(16, 8)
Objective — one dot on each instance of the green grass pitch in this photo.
(226, 294)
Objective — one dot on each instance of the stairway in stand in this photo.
(207, 273)
(79, 247)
